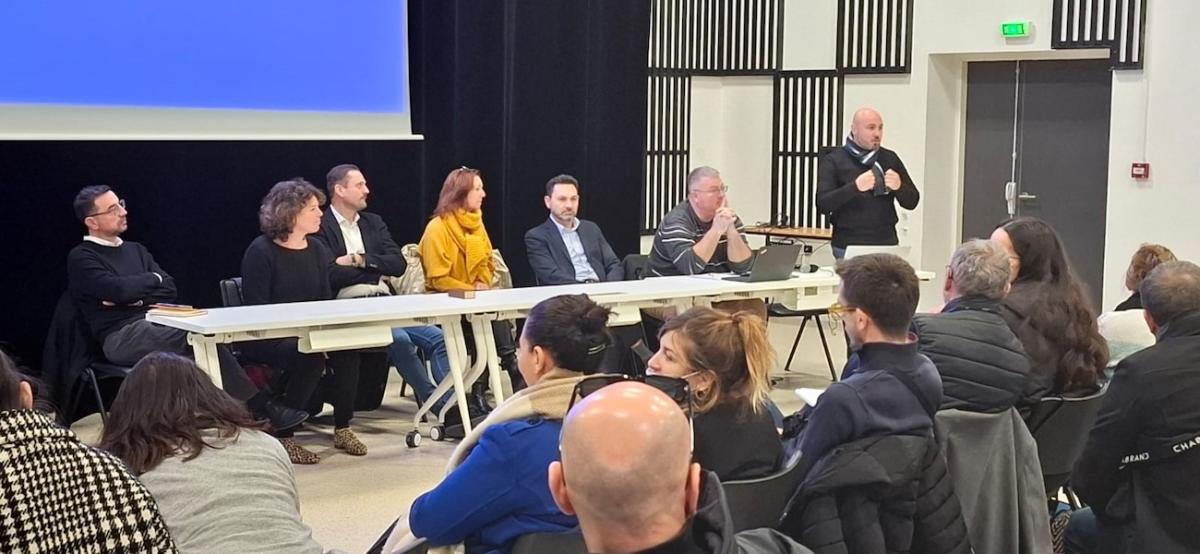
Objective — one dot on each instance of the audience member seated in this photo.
(1125, 328)
(875, 479)
(1140, 469)
(726, 359)
(456, 253)
(496, 488)
(114, 282)
(627, 473)
(221, 483)
(59, 495)
(702, 234)
(564, 249)
(282, 265)
(980, 360)
(365, 257)
(888, 387)
(1048, 310)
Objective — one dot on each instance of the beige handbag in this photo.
(413, 280)
(502, 277)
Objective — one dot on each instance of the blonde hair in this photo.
(1147, 257)
(733, 347)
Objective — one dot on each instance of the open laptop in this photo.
(773, 263)
(859, 250)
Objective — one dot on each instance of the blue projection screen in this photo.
(219, 69)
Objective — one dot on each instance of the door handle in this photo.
(1026, 196)
(1010, 197)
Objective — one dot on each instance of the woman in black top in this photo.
(1147, 257)
(282, 266)
(726, 359)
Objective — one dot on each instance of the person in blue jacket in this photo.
(497, 488)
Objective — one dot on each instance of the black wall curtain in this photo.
(529, 89)
(521, 89)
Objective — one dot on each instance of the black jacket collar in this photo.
(974, 302)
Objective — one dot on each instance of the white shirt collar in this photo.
(103, 242)
(562, 229)
(341, 220)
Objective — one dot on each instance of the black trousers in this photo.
(303, 371)
(129, 344)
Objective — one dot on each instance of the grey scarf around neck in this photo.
(868, 159)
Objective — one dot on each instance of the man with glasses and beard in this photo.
(114, 282)
(702, 234)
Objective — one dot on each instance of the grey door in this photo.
(1057, 114)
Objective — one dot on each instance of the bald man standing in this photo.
(859, 184)
(627, 473)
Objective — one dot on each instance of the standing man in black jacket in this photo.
(982, 364)
(856, 185)
(114, 282)
(1140, 469)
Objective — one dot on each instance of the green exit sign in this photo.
(1014, 29)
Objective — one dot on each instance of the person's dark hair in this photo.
(1170, 290)
(455, 188)
(563, 179)
(277, 214)
(734, 347)
(1147, 257)
(10, 383)
(573, 328)
(885, 287)
(165, 406)
(337, 176)
(85, 200)
(1063, 314)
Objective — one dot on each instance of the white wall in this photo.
(924, 117)
(731, 131)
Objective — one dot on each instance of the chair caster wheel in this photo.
(437, 433)
(413, 439)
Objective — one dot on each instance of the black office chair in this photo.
(421, 546)
(759, 503)
(1060, 426)
(779, 310)
(569, 542)
(90, 379)
(231, 292)
(636, 266)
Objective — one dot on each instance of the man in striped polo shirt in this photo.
(702, 234)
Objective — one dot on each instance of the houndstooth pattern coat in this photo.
(59, 495)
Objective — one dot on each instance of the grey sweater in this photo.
(238, 498)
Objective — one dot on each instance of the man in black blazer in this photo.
(366, 256)
(565, 249)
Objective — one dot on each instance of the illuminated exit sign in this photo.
(1014, 29)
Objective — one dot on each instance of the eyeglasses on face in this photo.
(837, 312)
(721, 189)
(120, 205)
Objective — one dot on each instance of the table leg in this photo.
(204, 348)
(456, 353)
(493, 360)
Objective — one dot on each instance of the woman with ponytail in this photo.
(727, 360)
(496, 488)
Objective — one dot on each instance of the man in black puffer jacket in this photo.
(982, 364)
(882, 494)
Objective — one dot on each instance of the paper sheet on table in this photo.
(809, 396)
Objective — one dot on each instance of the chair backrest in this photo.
(570, 542)
(231, 292)
(635, 266)
(758, 503)
(1060, 426)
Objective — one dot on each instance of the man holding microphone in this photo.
(859, 184)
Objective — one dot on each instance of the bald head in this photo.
(626, 451)
(867, 128)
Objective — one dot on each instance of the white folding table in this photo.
(367, 322)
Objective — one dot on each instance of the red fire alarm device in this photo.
(1141, 170)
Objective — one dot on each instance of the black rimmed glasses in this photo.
(120, 205)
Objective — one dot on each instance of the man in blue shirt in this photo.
(887, 388)
(565, 249)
